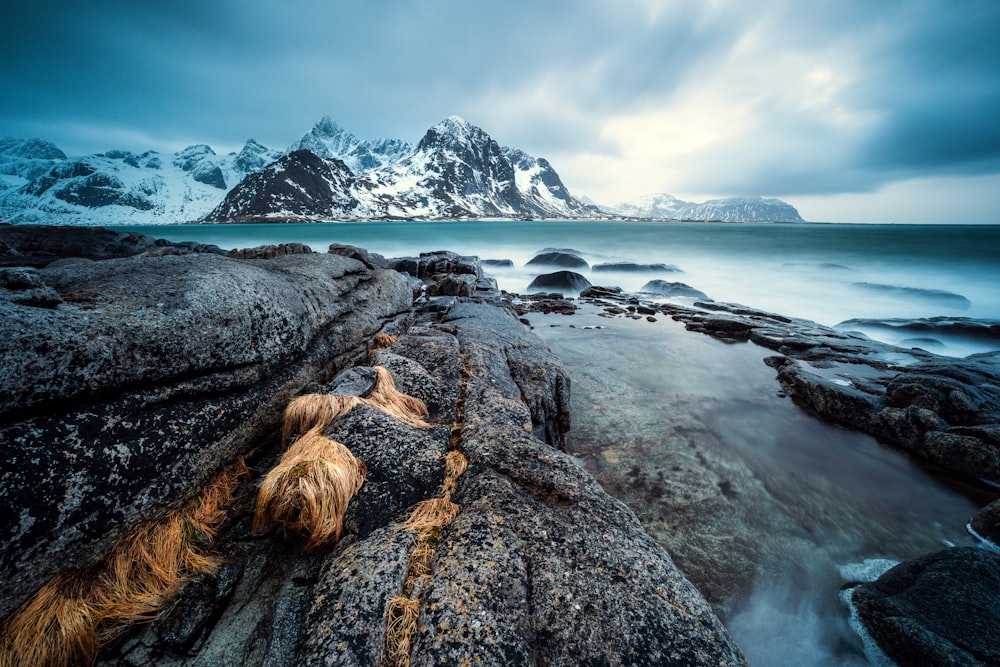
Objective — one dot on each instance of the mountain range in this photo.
(456, 171)
(730, 209)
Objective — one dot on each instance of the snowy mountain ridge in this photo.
(121, 187)
(663, 206)
(328, 140)
(456, 171)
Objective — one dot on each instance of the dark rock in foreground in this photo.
(937, 610)
(152, 373)
(559, 258)
(568, 281)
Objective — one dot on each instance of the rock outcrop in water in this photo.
(940, 409)
(154, 373)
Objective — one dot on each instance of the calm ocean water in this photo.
(823, 272)
(817, 505)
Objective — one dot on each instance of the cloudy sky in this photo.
(852, 110)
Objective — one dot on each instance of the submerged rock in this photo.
(667, 288)
(632, 267)
(943, 297)
(566, 258)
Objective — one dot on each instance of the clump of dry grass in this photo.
(308, 491)
(435, 512)
(391, 401)
(69, 619)
(314, 411)
(401, 629)
(383, 341)
(57, 626)
(317, 411)
(455, 464)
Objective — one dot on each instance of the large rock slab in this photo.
(118, 404)
(940, 609)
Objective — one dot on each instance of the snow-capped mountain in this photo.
(651, 206)
(24, 159)
(456, 171)
(120, 187)
(730, 209)
(328, 140)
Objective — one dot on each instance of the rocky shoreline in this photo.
(935, 609)
(138, 374)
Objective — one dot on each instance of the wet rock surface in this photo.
(943, 410)
(936, 610)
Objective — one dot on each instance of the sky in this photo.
(851, 110)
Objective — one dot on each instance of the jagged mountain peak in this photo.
(329, 140)
(327, 127)
(456, 132)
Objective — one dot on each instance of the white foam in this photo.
(869, 570)
(983, 542)
(874, 653)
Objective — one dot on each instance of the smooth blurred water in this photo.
(766, 508)
(821, 272)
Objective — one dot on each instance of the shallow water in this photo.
(759, 503)
(814, 271)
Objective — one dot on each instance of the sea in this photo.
(767, 508)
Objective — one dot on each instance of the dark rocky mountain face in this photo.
(299, 184)
(464, 162)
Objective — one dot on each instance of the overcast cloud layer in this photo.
(852, 110)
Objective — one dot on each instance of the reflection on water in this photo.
(760, 504)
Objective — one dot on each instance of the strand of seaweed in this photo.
(427, 519)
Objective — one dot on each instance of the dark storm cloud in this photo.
(920, 89)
